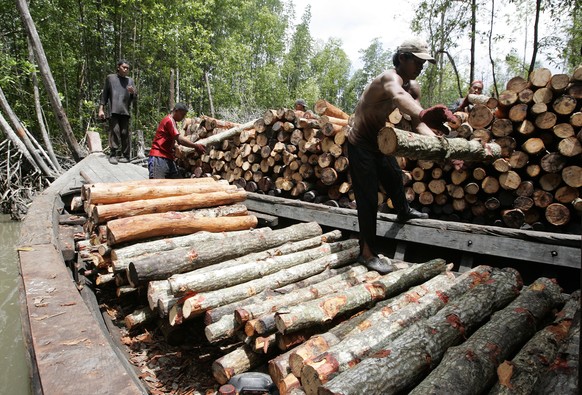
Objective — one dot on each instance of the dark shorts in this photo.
(162, 167)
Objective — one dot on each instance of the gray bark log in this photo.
(470, 367)
(404, 361)
(392, 141)
(520, 375)
(158, 266)
(325, 309)
(199, 303)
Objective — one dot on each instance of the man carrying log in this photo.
(161, 161)
(395, 88)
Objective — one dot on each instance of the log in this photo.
(572, 176)
(333, 284)
(399, 365)
(557, 214)
(226, 326)
(323, 107)
(377, 329)
(198, 304)
(122, 256)
(228, 277)
(138, 317)
(563, 374)
(171, 223)
(519, 376)
(480, 116)
(159, 266)
(104, 213)
(100, 186)
(471, 367)
(392, 141)
(238, 361)
(325, 309)
(142, 192)
(216, 314)
(217, 138)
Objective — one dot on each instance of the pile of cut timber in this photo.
(528, 176)
(296, 301)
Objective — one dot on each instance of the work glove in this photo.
(435, 116)
(200, 149)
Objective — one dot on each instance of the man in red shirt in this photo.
(161, 161)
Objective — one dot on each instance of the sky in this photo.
(357, 23)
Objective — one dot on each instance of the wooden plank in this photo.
(482, 240)
(400, 251)
(64, 334)
(265, 219)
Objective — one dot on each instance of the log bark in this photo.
(563, 374)
(104, 213)
(199, 303)
(122, 256)
(216, 314)
(470, 367)
(326, 287)
(392, 141)
(217, 138)
(238, 361)
(228, 277)
(325, 309)
(144, 191)
(519, 376)
(227, 325)
(405, 360)
(172, 223)
(159, 266)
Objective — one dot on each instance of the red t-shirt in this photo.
(164, 140)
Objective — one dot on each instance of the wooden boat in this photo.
(68, 340)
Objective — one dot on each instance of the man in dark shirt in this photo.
(161, 161)
(119, 92)
(395, 88)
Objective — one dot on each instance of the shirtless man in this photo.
(395, 88)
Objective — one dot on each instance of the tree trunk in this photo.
(48, 80)
(397, 142)
(406, 359)
(470, 367)
(325, 309)
(159, 266)
(520, 375)
(171, 223)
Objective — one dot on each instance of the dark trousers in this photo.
(119, 138)
(369, 170)
(159, 167)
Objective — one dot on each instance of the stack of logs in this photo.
(535, 184)
(296, 299)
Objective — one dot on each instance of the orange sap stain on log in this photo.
(332, 306)
(504, 373)
(381, 354)
(364, 325)
(377, 291)
(443, 296)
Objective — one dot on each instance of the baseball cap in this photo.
(180, 107)
(301, 102)
(418, 47)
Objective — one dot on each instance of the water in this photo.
(14, 372)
